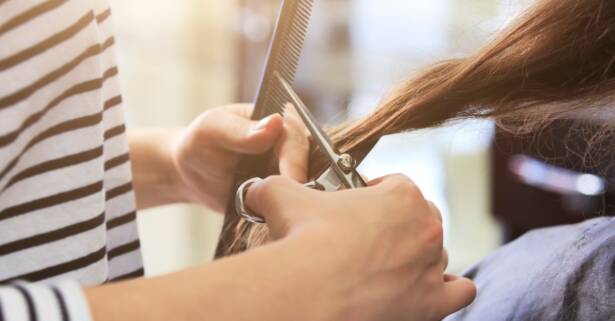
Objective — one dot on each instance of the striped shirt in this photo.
(67, 209)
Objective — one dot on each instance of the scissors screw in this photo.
(346, 163)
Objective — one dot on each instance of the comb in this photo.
(282, 58)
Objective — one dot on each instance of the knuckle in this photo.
(206, 122)
(270, 183)
(410, 189)
(435, 210)
(261, 192)
(398, 178)
(269, 187)
(403, 186)
(405, 193)
(433, 233)
(445, 258)
(264, 196)
(183, 151)
(405, 198)
(209, 116)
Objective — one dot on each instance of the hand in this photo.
(207, 152)
(382, 247)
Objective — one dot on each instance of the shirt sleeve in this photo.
(54, 301)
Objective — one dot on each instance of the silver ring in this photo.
(240, 207)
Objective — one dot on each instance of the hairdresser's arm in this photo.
(196, 164)
(369, 254)
(268, 283)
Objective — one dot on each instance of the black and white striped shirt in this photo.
(67, 209)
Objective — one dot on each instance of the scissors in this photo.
(341, 172)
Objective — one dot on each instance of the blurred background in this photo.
(179, 58)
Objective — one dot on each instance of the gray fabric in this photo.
(555, 274)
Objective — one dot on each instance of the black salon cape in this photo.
(562, 273)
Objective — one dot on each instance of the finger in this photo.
(394, 184)
(435, 210)
(278, 199)
(451, 277)
(376, 181)
(241, 110)
(391, 178)
(293, 149)
(458, 293)
(238, 134)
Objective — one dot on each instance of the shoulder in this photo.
(561, 273)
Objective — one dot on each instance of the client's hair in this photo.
(557, 58)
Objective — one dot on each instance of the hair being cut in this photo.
(554, 60)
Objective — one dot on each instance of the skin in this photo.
(384, 258)
(196, 164)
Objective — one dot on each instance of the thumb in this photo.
(279, 200)
(458, 293)
(242, 135)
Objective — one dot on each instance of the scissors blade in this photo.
(319, 135)
(349, 179)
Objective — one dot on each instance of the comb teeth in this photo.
(284, 54)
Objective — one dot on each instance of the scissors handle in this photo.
(240, 197)
(240, 205)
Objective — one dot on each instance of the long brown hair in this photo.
(556, 59)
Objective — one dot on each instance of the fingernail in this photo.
(261, 124)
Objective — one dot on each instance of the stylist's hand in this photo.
(380, 248)
(207, 152)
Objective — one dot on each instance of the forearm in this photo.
(280, 281)
(155, 179)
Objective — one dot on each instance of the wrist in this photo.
(172, 177)
(155, 176)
